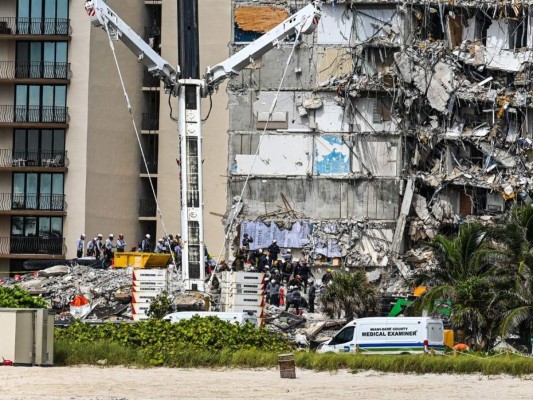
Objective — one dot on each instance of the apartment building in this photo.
(69, 159)
(396, 121)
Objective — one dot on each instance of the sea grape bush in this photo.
(163, 338)
(15, 297)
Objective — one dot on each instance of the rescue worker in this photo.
(91, 248)
(273, 251)
(273, 289)
(80, 244)
(327, 277)
(99, 249)
(262, 261)
(287, 269)
(305, 272)
(312, 296)
(246, 240)
(161, 247)
(146, 245)
(293, 297)
(108, 247)
(121, 243)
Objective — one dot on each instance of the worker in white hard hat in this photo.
(80, 244)
(108, 249)
(99, 249)
(146, 245)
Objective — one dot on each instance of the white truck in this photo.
(387, 335)
(235, 318)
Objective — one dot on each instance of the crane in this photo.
(189, 93)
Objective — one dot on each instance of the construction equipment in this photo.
(189, 93)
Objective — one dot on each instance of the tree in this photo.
(467, 276)
(517, 237)
(352, 294)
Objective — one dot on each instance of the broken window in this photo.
(431, 25)
(381, 110)
(455, 30)
(517, 33)
(375, 60)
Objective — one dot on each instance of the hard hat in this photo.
(94, 239)
(289, 250)
(296, 260)
(161, 240)
(260, 250)
(329, 270)
(273, 281)
(111, 235)
(274, 241)
(83, 235)
(100, 235)
(148, 235)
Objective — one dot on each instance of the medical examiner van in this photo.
(387, 335)
(234, 317)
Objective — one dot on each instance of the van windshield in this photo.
(344, 336)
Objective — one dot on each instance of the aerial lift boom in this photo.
(189, 93)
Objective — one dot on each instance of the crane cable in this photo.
(128, 105)
(239, 202)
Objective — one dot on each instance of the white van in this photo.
(236, 318)
(387, 335)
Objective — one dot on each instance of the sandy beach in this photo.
(119, 383)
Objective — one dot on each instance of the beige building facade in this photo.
(70, 162)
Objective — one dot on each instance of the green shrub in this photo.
(15, 297)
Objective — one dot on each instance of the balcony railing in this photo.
(147, 208)
(152, 167)
(50, 114)
(150, 80)
(32, 245)
(150, 122)
(32, 201)
(33, 158)
(35, 70)
(34, 26)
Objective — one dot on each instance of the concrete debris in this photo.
(108, 292)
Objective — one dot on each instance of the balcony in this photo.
(34, 28)
(11, 71)
(147, 208)
(152, 167)
(36, 246)
(32, 204)
(150, 122)
(33, 160)
(150, 81)
(34, 116)
(152, 36)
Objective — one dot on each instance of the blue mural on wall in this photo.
(330, 156)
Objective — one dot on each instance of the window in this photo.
(33, 191)
(36, 235)
(42, 17)
(344, 336)
(41, 60)
(40, 147)
(40, 103)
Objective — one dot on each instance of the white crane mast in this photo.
(189, 93)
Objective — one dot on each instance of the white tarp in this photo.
(263, 234)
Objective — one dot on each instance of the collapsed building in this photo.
(395, 121)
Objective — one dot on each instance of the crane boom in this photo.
(102, 15)
(189, 93)
(304, 21)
